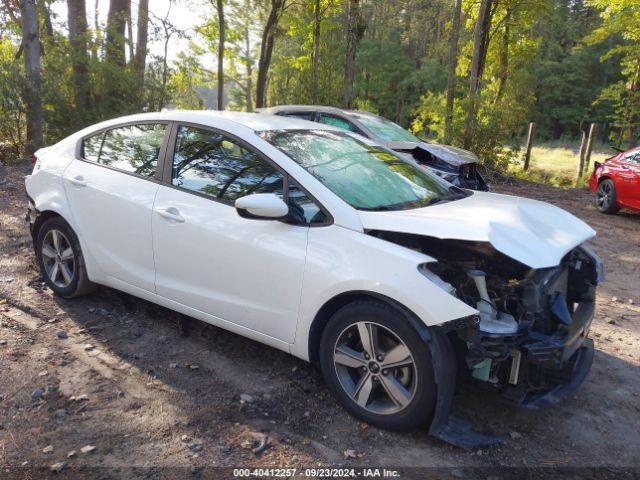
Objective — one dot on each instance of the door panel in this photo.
(111, 194)
(626, 179)
(245, 271)
(113, 213)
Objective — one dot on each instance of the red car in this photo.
(616, 182)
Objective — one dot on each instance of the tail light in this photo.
(35, 161)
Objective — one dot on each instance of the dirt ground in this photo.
(158, 397)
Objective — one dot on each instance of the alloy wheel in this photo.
(604, 195)
(58, 258)
(375, 368)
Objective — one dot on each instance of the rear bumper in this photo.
(593, 178)
(31, 214)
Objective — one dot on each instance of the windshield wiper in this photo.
(448, 198)
(381, 208)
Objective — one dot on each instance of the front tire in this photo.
(61, 260)
(377, 366)
(606, 200)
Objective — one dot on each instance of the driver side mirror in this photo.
(266, 206)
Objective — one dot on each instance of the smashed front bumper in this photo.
(574, 372)
(554, 364)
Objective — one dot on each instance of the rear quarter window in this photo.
(131, 148)
(91, 147)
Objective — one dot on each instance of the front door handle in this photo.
(171, 213)
(78, 181)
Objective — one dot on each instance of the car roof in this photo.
(319, 108)
(253, 121)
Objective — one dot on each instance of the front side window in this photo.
(133, 148)
(387, 130)
(367, 177)
(633, 158)
(216, 165)
(301, 208)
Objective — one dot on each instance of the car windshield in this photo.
(386, 129)
(364, 176)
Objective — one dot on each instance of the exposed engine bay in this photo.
(528, 340)
(465, 175)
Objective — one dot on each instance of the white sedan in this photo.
(323, 244)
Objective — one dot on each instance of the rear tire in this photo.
(61, 260)
(392, 389)
(606, 200)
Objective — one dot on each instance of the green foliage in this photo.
(188, 78)
(569, 75)
(560, 63)
(12, 109)
(620, 27)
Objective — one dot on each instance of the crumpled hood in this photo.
(535, 233)
(453, 155)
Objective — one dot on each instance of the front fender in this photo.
(340, 260)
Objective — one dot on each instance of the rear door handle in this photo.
(78, 181)
(171, 213)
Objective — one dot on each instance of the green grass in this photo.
(557, 165)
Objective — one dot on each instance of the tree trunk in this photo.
(165, 66)
(634, 88)
(316, 51)
(480, 41)
(46, 15)
(453, 62)
(504, 55)
(95, 44)
(32, 91)
(116, 23)
(77, 19)
(140, 59)
(266, 50)
(350, 61)
(248, 62)
(130, 35)
(221, 32)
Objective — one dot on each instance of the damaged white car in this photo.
(327, 246)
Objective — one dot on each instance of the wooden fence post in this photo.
(527, 155)
(586, 147)
(583, 149)
(590, 140)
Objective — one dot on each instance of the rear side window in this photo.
(133, 148)
(216, 165)
(338, 122)
(300, 115)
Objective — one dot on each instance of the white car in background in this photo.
(457, 166)
(327, 246)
